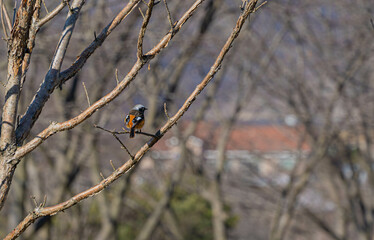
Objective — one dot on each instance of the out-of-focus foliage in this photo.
(309, 61)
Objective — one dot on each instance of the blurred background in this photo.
(279, 145)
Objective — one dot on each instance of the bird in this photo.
(135, 119)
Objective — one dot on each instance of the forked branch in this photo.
(59, 127)
(114, 134)
(143, 29)
(52, 13)
(46, 89)
(37, 213)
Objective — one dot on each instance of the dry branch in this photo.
(37, 213)
(85, 91)
(4, 13)
(30, 42)
(17, 46)
(52, 13)
(42, 95)
(169, 15)
(143, 29)
(114, 134)
(161, 208)
(53, 128)
(46, 89)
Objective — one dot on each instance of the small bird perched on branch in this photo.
(135, 119)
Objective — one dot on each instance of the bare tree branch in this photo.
(58, 127)
(169, 15)
(162, 205)
(30, 43)
(17, 47)
(143, 29)
(114, 134)
(54, 78)
(4, 13)
(174, 72)
(52, 13)
(44, 211)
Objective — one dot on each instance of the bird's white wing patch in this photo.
(136, 120)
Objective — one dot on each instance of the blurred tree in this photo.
(310, 62)
(69, 157)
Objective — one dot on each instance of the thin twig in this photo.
(262, 4)
(166, 112)
(124, 131)
(7, 19)
(146, 134)
(116, 74)
(109, 131)
(34, 200)
(169, 15)
(2, 20)
(123, 146)
(242, 6)
(44, 201)
(14, 12)
(85, 90)
(143, 29)
(102, 176)
(111, 163)
(114, 133)
(6, 37)
(70, 9)
(140, 10)
(52, 13)
(45, 6)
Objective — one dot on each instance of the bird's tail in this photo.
(132, 132)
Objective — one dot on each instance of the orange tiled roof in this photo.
(267, 138)
(259, 138)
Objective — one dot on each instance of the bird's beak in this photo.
(145, 108)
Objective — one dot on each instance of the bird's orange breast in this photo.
(130, 123)
(140, 124)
